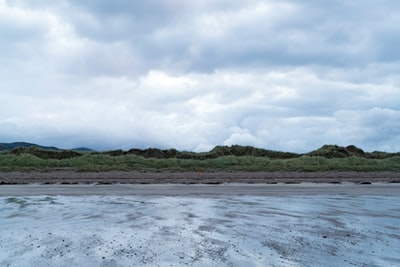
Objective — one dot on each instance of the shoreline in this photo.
(67, 177)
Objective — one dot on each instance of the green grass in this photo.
(104, 162)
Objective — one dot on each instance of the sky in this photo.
(287, 75)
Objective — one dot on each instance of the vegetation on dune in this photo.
(46, 153)
(232, 158)
(334, 151)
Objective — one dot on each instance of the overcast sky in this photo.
(287, 74)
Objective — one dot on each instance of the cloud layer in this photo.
(287, 75)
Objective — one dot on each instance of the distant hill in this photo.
(11, 146)
(326, 151)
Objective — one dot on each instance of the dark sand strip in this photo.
(350, 189)
(220, 177)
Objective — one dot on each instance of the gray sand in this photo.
(382, 189)
(218, 177)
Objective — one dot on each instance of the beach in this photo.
(66, 218)
(200, 225)
(217, 177)
(269, 190)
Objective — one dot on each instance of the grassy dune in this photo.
(234, 158)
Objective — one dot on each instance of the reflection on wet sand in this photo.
(225, 230)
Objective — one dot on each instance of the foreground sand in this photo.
(65, 218)
(134, 177)
(338, 229)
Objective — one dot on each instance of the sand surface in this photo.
(120, 219)
(133, 177)
(303, 189)
(214, 230)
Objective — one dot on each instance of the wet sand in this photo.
(220, 177)
(189, 219)
(219, 230)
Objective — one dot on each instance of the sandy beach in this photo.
(219, 177)
(290, 219)
(268, 225)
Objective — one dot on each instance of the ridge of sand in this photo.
(218, 177)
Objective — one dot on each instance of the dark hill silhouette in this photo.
(10, 146)
(326, 151)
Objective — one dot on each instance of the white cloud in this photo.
(288, 75)
(372, 127)
(286, 110)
